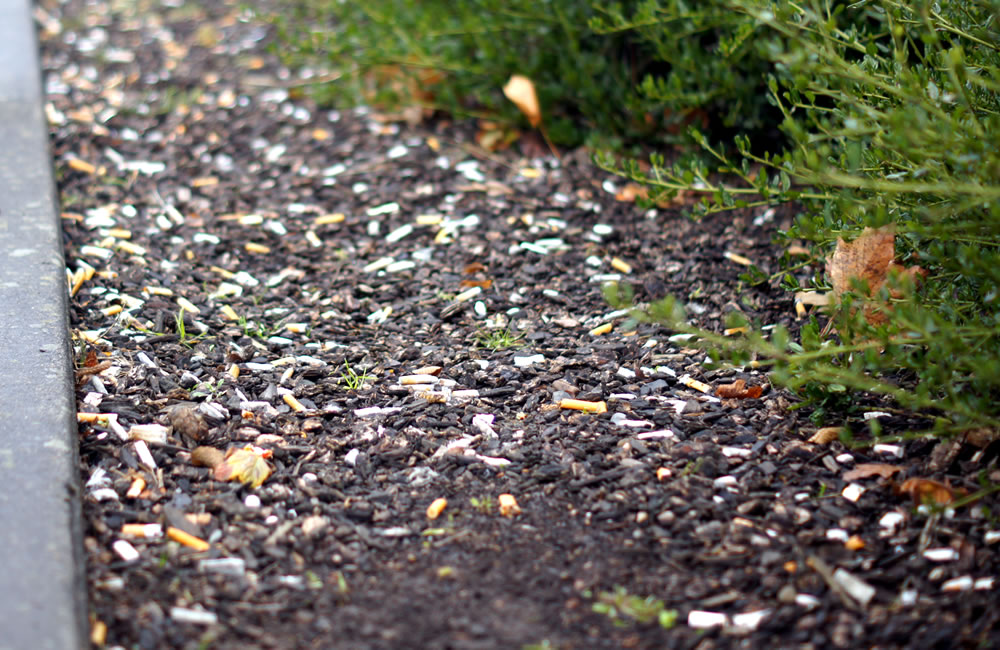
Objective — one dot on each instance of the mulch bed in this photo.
(250, 269)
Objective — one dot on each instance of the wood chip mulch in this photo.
(402, 340)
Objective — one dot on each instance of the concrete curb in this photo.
(42, 595)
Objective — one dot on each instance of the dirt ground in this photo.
(383, 316)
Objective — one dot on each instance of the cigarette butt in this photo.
(621, 265)
(690, 382)
(130, 248)
(187, 305)
(187, 539)
(81, 166)
(739, 259)
(227, 274)
(134, 490)
(325, 219)
(295, 404)
(147, 531)
(229, 312)
(800, 309)
(736, 330)
(582, 405)
(436, 507)
(112, 310)
(508, 505)
(234, 371)
(158, 291)
(254, 247)
(78, 279)
(98, 633)
(601, 329)
(91, 418)
(429, 219)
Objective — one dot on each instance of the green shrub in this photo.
(620, 73)
(457, 56)
(892, 113)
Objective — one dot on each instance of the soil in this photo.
(251, 269)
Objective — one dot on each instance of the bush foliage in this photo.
(889, 113)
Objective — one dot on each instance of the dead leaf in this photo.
(495, 137)
(207, 457)
(924, 490)
(826, 435)
(631, 192)
(468, 284)
(247, 465)
(869, 258)
(981, 437)
(520, 90)
(866, 258)
(867, 470)
(474, 267)
(738, 390)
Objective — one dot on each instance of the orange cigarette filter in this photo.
(582, 405)
(187, 539)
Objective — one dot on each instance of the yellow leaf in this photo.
(245, 465)
(521, 91)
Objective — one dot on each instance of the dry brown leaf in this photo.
(924, 490)
(468, 284)
(631, 192)
(207, 457)
(473, 267)
(866, 258)
(826, 435)
(739, 390)
(867, 470)
(520, 90)
(981, 437)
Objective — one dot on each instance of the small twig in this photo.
(821, 567)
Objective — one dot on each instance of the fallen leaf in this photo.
(866, 258)
(520, 90)
(631, 192)
(738, 390)
(924, 490)
(473, 267)
(468, 284)
(246, 465)
(981, 437)
(869, 258)
(826, 435)
(207, 457)
(867, 470)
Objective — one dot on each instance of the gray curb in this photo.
(42, 597)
